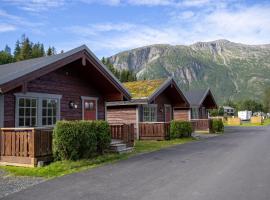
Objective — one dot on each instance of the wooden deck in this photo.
(25, 146)
(123, 132)
(154, 131)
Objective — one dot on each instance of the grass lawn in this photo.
(265, 123)
(61, 168)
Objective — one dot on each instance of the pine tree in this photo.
(49, 51)
(5, 57)
(7, 49)
(17, 51)
(26, 49)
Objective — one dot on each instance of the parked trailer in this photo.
(244, 115)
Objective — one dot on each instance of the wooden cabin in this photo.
(69, 86)
(153, 101)
(201, 101)
(36, 93)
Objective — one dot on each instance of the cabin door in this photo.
(168, 113)
(89, 106)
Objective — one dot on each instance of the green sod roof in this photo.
(144, 88)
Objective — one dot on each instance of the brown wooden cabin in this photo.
(36, 93)
(152, 101)
(69, 86)
(201, 101)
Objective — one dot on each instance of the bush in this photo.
(103, 135)
(217, 126)
(180, 129)
(73, 140)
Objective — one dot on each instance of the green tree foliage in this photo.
(266, 100)
(24, 49)
(123, 75)
(51, 51)
(217, 112)
(251, 105)
(5, 57)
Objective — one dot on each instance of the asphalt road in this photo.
(234, 166)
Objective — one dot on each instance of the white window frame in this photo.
(39, 97)
(149, 106)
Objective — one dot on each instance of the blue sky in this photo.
(111, 26)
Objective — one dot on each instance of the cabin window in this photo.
(37, 110)
(150, 113)
(49, 112)
(194, 113)
(27, 112)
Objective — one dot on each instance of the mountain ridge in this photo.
(232, 70)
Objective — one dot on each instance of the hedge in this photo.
(180, 129)
(73, 140)
(217, 126)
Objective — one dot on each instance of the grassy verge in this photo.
(61, 168)
(265, 123)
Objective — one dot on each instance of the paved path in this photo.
(234, 166)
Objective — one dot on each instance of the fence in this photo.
(154, 131)
(124, 132)
(25, 146)
(201, 124)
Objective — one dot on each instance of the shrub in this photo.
(103, 135)
(73, 140)
(217, 126)
(180, 129)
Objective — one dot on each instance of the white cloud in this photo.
(248, 25)
(6, 28)
(36, 5)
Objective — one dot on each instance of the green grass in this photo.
(61, 168)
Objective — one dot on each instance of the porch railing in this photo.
(201, 124)
(124, 132)
(25, 146)
(154, 131)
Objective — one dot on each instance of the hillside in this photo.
(231, 70)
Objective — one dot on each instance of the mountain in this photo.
(232, 70)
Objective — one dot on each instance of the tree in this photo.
(51, 51)
(38, 50)
(266, 100)
(5, 58)
(17, 50)
(7, 49)
(251, 105)
(26, 49)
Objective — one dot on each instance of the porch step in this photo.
(126, 150)
(119, 146)
(115, 141)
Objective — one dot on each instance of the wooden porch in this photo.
(154, 130)
(25, 146)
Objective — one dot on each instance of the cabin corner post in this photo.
(1, 111)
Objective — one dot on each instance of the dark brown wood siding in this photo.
(161, 100)
(66, 82)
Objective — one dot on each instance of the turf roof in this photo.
(143, 88)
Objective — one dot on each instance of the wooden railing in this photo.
(201, 124)
(124, 132)
(154, 131)
(25, 146)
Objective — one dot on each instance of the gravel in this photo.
(10, 184)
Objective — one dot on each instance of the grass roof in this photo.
(144, 88)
